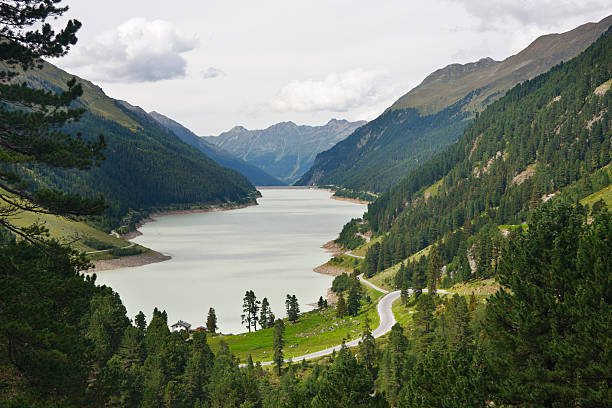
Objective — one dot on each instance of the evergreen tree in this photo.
(341, 307)
(398, 345)
(320, 303)
(354, 300)
(550, 331)
(279, 343)
(367, 349)
(211, 321)
(346, 383)
(32, 120)
(250, 308)
(141, 323)
(293, 308)
(266, 317)
(424, 321)
(433, 270)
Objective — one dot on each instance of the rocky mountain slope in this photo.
(146, 165)
(434, 114)
(255, 175)
(284, 150)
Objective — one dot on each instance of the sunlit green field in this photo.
(315, 331)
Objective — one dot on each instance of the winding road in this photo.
(387, 320)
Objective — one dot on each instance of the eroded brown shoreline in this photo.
(151, 256)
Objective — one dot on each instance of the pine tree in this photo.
(320, 303)
(266, 317)
(346, 383)
(341, 307)
(354, 300)
(433, 270)
(293, 308)
(549, 330)
(250, 308)
(279, 343)
(367, 349)
(211, 321)
(141, 323)
(424, 321)
(32, 120)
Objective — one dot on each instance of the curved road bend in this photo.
(387, 320)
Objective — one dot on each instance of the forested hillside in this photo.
(284, 150)
(434, 114)
(502, 202)
(255, 175)
(548, 138)
(146, 165)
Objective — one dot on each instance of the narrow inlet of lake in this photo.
(270, 248)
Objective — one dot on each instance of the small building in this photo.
(180, 325)
(201, 329)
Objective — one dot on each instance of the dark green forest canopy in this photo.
(542, 341)
(545, 136)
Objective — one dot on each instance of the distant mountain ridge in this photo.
(255, 175)
(284, 150)
(146, 165)
(434, 114)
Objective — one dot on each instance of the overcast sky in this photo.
(212, 65)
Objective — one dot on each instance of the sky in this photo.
(213, 65)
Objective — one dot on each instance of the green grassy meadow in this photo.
(315, 330)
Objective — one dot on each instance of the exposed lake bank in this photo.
(216, 256)
(152, 256)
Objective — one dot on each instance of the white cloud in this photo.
(138, 50)
(494, 14)
(335, 92)
(212, 72)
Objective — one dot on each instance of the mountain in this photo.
(146, 165)
(548, 138)
(255, 175)
(434, 114)
(284, 150)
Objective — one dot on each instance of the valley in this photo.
(452, 250)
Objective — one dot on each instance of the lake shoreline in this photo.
(152, 256)
(333, 197)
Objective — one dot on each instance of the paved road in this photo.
(349, 253)
(387, 320)
(370, 284)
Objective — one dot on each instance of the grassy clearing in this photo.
(432, 190)
(361, 251)
(316, 330)
(345, 261)
(67, 230)
(403, 314)
(604, 194)
(386, 279)
(480, 288)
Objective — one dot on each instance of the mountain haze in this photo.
(146, 165)
(284, 150)
(255, 175)
(435, 113)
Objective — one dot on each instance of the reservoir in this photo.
(270, 248)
